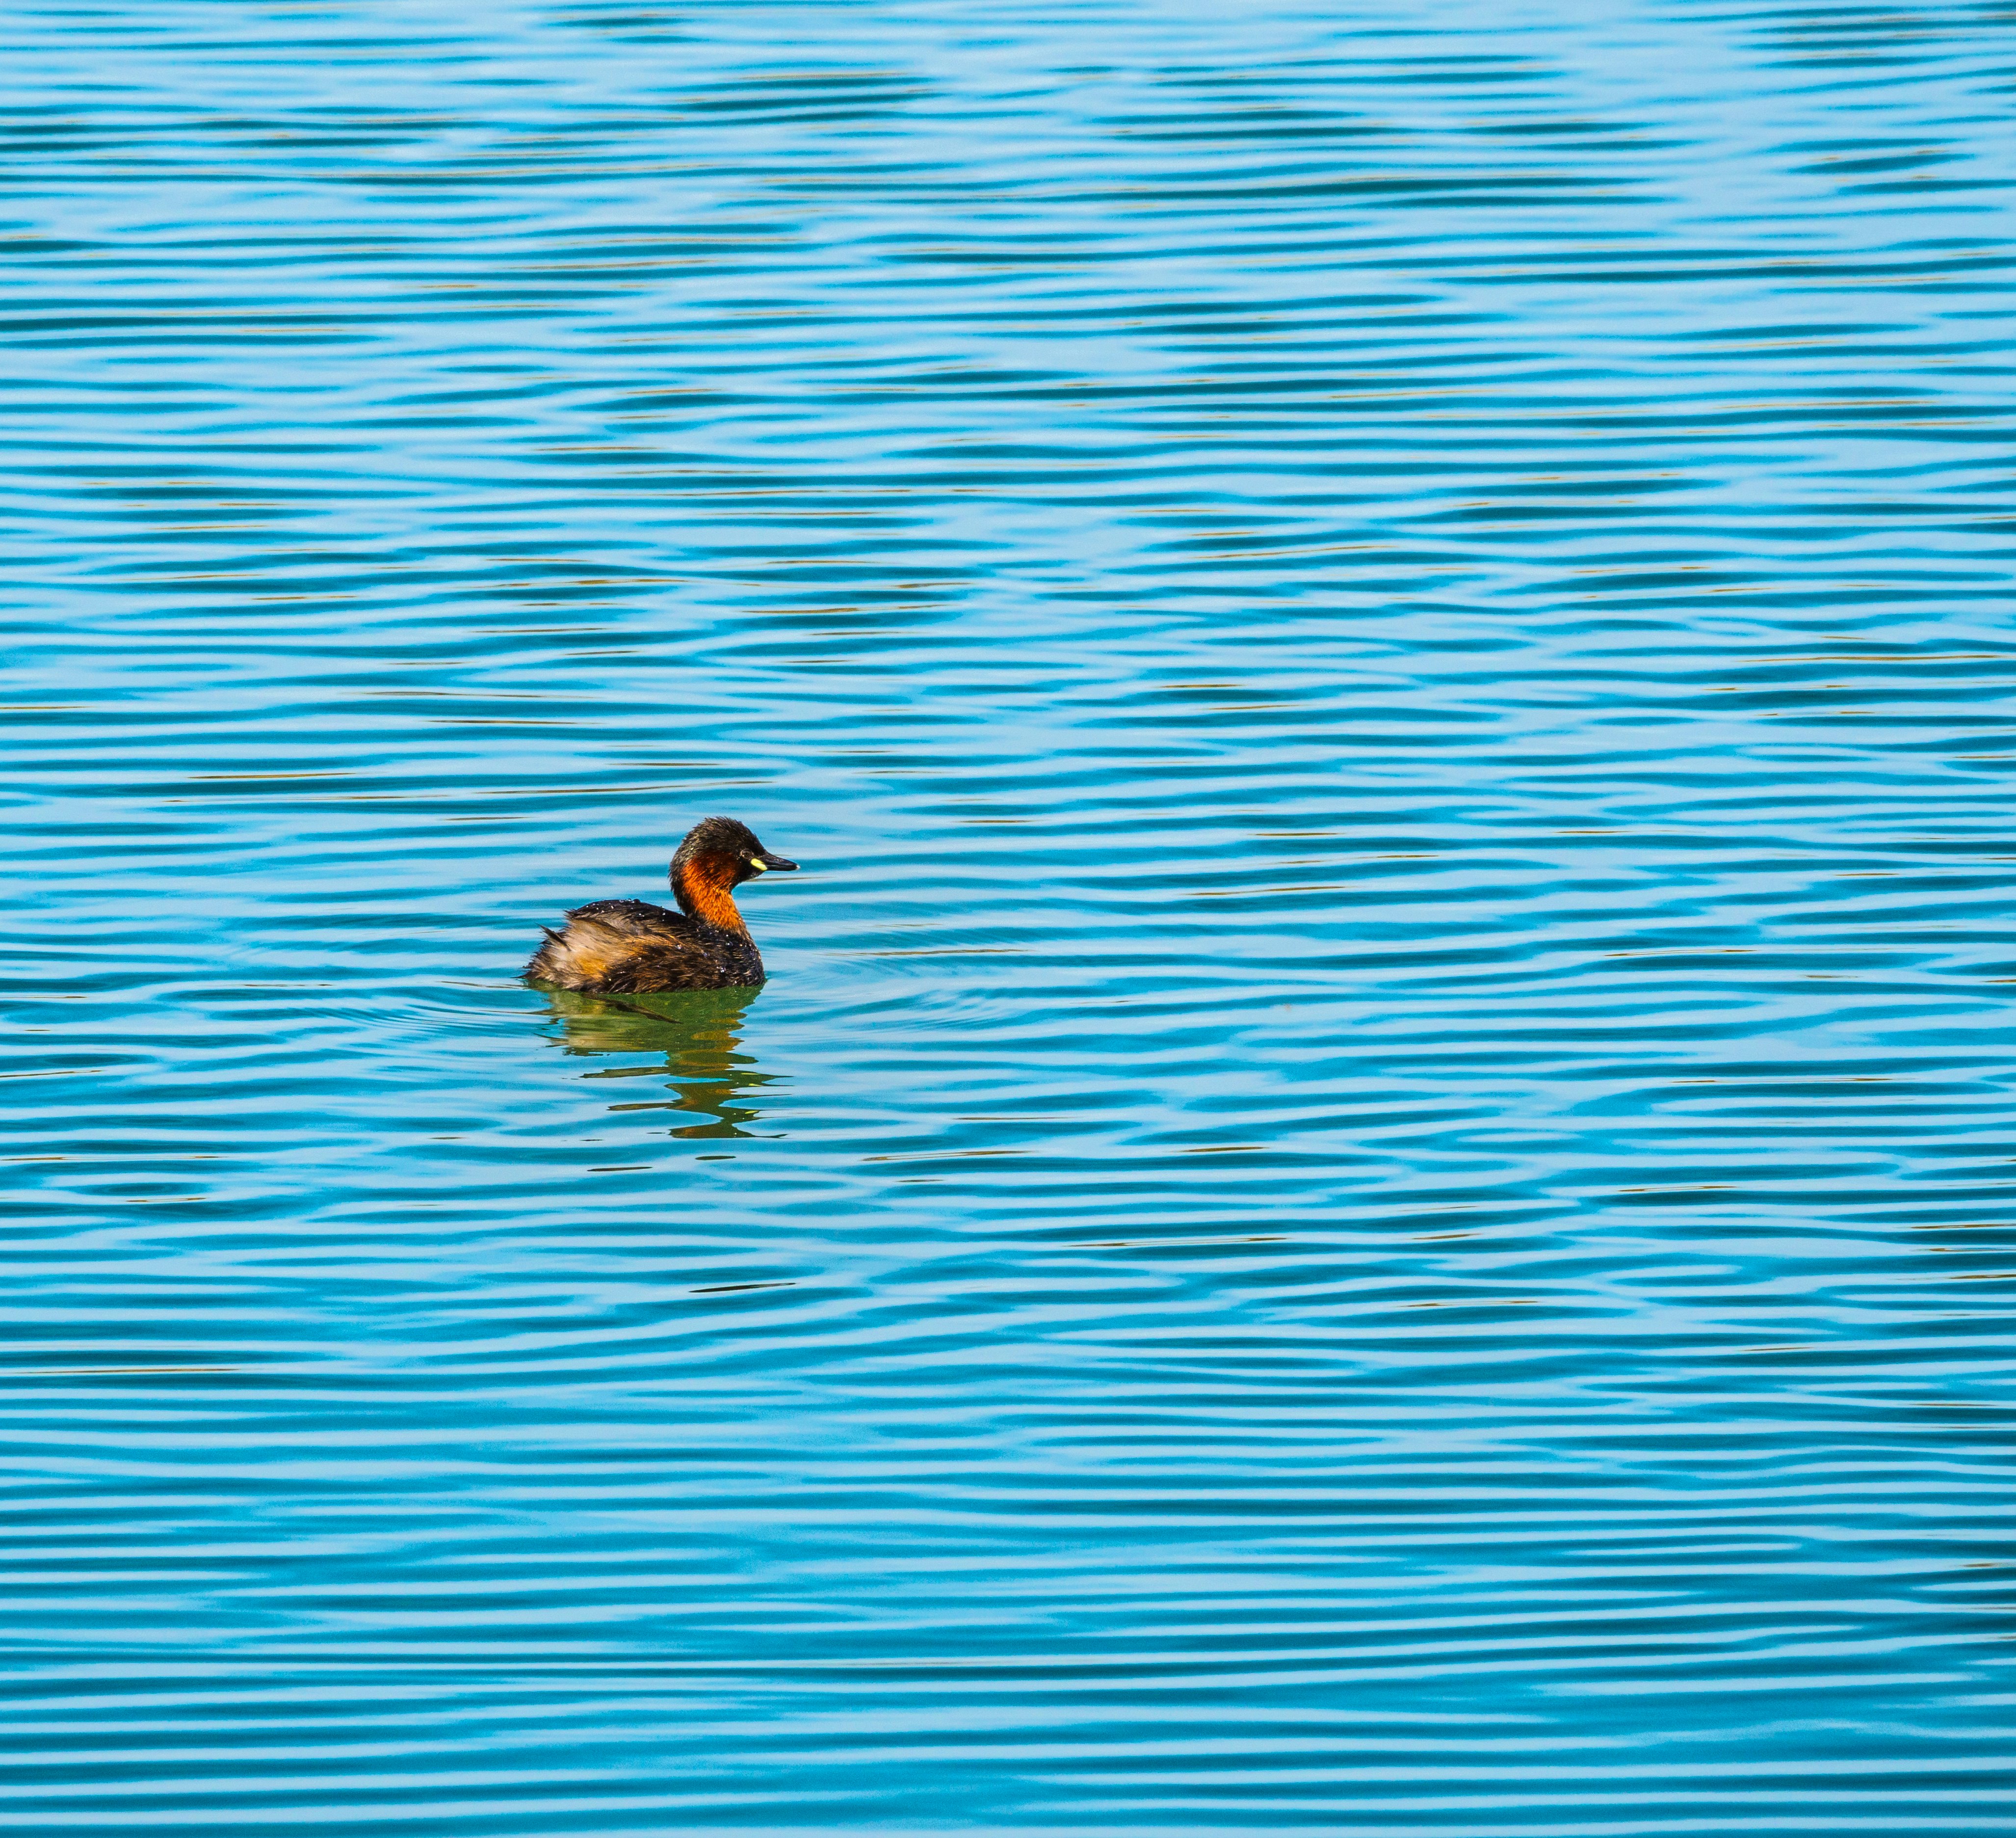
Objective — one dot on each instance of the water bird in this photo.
(625, 947)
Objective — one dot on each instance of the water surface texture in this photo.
(1375, 1192)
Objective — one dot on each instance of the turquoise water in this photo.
(1374, 1191)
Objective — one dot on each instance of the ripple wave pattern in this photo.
(1374, 1190)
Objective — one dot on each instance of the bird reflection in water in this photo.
(698, 1031)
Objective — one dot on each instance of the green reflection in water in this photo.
(698, 1031)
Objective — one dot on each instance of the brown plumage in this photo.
(619, 946)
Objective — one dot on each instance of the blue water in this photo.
(1374, 1191)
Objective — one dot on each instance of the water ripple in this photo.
(1372, 1191)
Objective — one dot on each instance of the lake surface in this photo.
(1375, 1192)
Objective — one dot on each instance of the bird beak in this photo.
(763, 859)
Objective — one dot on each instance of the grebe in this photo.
(618, 947)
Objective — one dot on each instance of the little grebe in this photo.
(618, 947)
